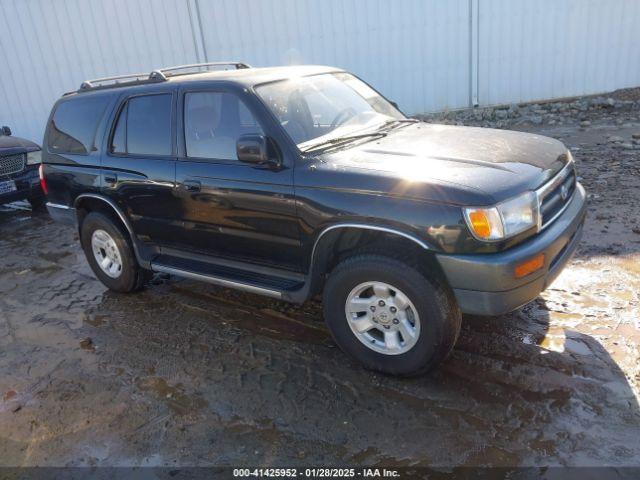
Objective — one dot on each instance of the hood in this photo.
(10, 145)
(460, 165)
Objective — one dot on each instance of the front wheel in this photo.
(390, 316)
(110, 254)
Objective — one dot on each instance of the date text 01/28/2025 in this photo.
(315, 473)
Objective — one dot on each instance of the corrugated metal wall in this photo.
(415, 51)
(425, 54)
(49, 47)
(533, 50)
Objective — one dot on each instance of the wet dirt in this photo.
(185, 374)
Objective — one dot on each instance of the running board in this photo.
(223, 282)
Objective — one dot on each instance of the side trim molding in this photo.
(62, 213)
(58, 205)
(223, 282)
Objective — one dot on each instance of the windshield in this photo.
(318, 108)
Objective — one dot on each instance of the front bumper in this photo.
(484, 284)
(27, 186)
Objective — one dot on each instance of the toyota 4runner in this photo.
(293, 182)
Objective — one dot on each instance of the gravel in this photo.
(585, 112)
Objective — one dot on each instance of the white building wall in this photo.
(425, 54)
(542, 49)
(48, 47)
(416, 52)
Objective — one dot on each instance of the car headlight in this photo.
(34, 158)
(503, 220)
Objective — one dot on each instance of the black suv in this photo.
(19, 165)
(297, 181)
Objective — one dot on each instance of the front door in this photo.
(231, 209)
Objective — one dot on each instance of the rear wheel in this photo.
(389, 315)
(110, 254)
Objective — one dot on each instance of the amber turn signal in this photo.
(480, 223)
(530, 266)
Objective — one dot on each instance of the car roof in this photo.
(246, 77)
(254, 76)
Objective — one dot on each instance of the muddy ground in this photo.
(186, 374)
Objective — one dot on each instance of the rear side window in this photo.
(143, 126)
(74, 123)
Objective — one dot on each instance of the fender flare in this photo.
(362, 226)
(118, 211)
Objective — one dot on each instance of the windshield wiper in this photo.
(340, 140)
(344, 139)
(400, 121)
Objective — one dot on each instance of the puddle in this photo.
(95, 320)
(174, 396)
(54, 257)
(263, 320)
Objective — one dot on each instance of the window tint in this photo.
(118, 142)
(149, 125)
(213, 122)
(74, 123)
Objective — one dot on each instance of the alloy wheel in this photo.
(382, 317)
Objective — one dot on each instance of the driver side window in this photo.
(213, 122)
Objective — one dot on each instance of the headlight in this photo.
(503, 220)
(34, 158)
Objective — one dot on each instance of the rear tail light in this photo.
(43, 182)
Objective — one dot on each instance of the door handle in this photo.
(110, 179)
(191, 185)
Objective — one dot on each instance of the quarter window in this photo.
(119, 141)
(144, 126)
(213, 122)
(73, 126)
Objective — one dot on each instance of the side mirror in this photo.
(6, 131)
(252, 148)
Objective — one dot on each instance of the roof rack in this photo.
(100, 82)
(159, 75)
(169, 71)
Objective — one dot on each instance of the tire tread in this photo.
(445, 300)
(139, 276)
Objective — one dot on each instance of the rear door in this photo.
(231, 209)
(139, 164)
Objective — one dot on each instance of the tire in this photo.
(37, 204)
(435, 331)
(129, 277)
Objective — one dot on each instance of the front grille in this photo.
(556, 194)
(12, 164)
